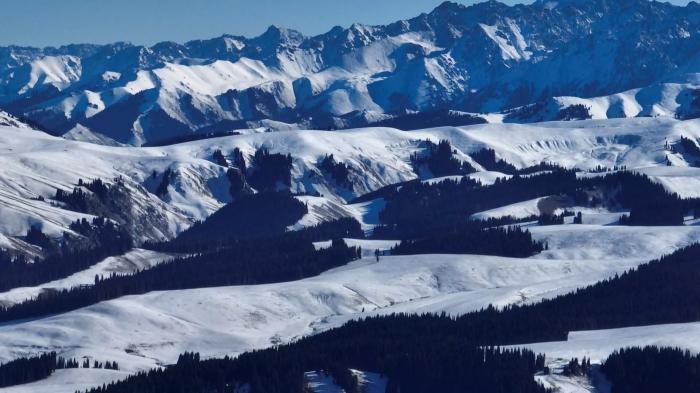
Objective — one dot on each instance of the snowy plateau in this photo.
(596, 88)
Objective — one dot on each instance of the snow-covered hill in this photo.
(152, 329)
(35, 164)
(148, 330)
(640, 57)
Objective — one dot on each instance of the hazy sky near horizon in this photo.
(58, 22)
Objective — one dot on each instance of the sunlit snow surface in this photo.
(148, 330)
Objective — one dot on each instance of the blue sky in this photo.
(56, 22)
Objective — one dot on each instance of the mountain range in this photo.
(489, 62)
(475, 199)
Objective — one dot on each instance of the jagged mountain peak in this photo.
(487, 57)
(281, 35)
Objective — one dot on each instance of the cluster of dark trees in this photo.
(30, 369)
(574, 112)
(236, 173)
(62, 363)
(79, 200)
(439, 160)
(338, 171)
(262, 214)
(269, 170)
(111, 200)
(27, 369)
(558, 219)
(101, 238)
(541, 167)
(428, 119)
(237, 159)
(438, 361)
(415, 207)
(487, 159)
(219, 158)
(650, 203)
(472, 238)
(603, 169)
(652, 370)
(240, 262)
(574, 368)
(37, 237)
(165, 181)
(690, 147)
(100, 233)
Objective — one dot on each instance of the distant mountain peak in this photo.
(482, 58)
(281, 34)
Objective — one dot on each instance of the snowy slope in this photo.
(132, 261)
(143, 331)
(35, 164)
(147, 330)
(674, 100)
(598, 344)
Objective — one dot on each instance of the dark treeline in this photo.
(417, 207)
(471, 238)
(574, 112)
(574, 368)
(689, 146)
(541, 167)
(267, 171)
(338, 171)
(100, 199)
(428, 119)
(165, 181)
(26, 370)
(263, 214)
(62, 363)
(30, 369)
(649, 202)
(270, 171)
(487, 159)
(652, 370)
(219, 158)
(558, 219)
(258, 261)
(432, 352)
(100, 239)
(439, 160)
(438, 360)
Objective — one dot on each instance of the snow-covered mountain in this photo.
(147, 330)
(488, 57)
